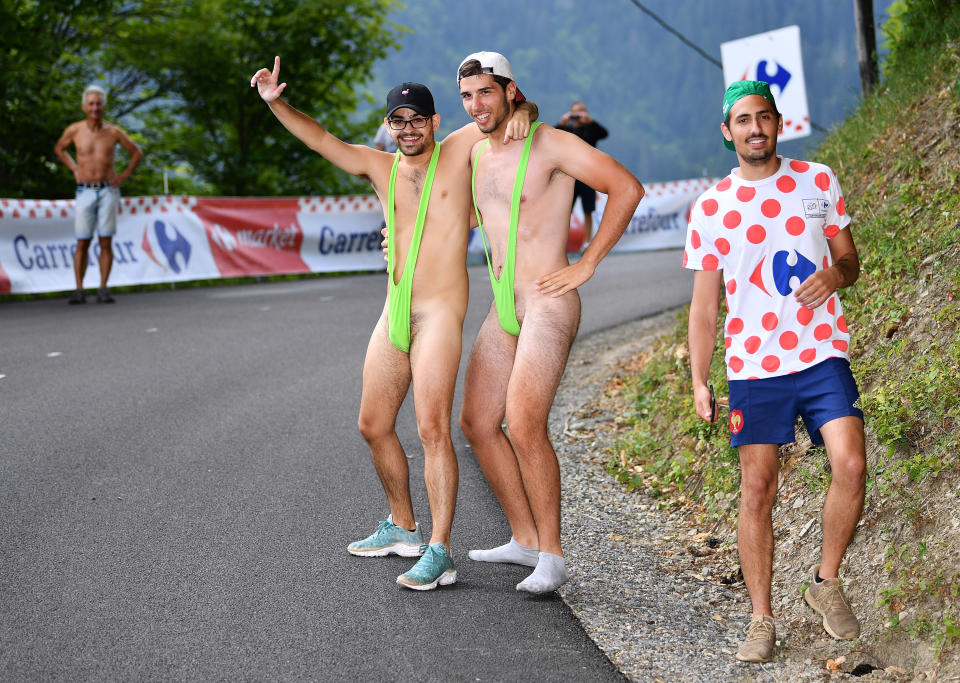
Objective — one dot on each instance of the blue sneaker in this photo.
(389, 539)
(435, 567)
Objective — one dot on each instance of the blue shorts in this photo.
(96, 208)
(765, 410)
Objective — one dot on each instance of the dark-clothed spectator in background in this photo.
(579, 122)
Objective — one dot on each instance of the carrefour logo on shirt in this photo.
(782, 271)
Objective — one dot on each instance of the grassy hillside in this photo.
(898, 161)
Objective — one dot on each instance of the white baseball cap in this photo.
(492, 63)
(495, 64)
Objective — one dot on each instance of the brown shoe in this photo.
(761, 638)
(828, 600)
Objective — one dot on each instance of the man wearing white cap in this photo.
(522, 348)
(418, 337)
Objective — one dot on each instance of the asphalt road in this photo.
(181, 472)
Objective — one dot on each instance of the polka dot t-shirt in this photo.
(768, 236)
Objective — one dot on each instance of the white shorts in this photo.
(96, 208)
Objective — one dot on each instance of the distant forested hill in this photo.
(659, 99)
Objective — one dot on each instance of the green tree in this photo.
(177, 76)
(208, 122)
(46, 59)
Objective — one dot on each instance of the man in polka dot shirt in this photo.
(774, 234)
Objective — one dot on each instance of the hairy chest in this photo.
(496, 180)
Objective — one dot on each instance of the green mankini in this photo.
(399, 294)
(503, 288)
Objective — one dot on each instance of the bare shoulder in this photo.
(463, 139)
(115, 131)
(72, 129)
(549, 137)
(553, 143)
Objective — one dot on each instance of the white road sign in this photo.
(773, 57)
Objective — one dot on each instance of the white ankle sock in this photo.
(550, 574)
(511, 552)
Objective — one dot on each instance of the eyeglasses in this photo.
(416, 122)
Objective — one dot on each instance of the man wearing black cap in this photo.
(522, 348)
(425, 194)
(774, 234)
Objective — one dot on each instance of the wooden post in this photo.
(866, 44)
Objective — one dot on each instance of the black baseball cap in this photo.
(412, 95)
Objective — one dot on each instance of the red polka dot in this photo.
(685, 259)
(786, 184)
(722, 246)
(751, 344)
(840, 208)
(795, 225)
(822, 180)
(832, 305)
(710, 207)
(789, 340)
(694, 239)
(745, 194)
(769, 321)
(732, 287)
(799, 166)
(727, 341)
(770, 208)
(839, 345)
(804, 315)
(831, 231)
(736, 364)
(731, 219)
(735, 326)
(756, 234)
(808, 355)
(842, 324)
(821, 332)
(770, 363)
(724, 184)
(710, 262)
(826, 263)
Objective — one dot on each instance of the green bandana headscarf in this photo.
(739, 90)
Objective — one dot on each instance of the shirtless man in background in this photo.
(426, 200)
(98, 185)
(522, 347)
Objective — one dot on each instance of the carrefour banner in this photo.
(660, 221)
(172, 239)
